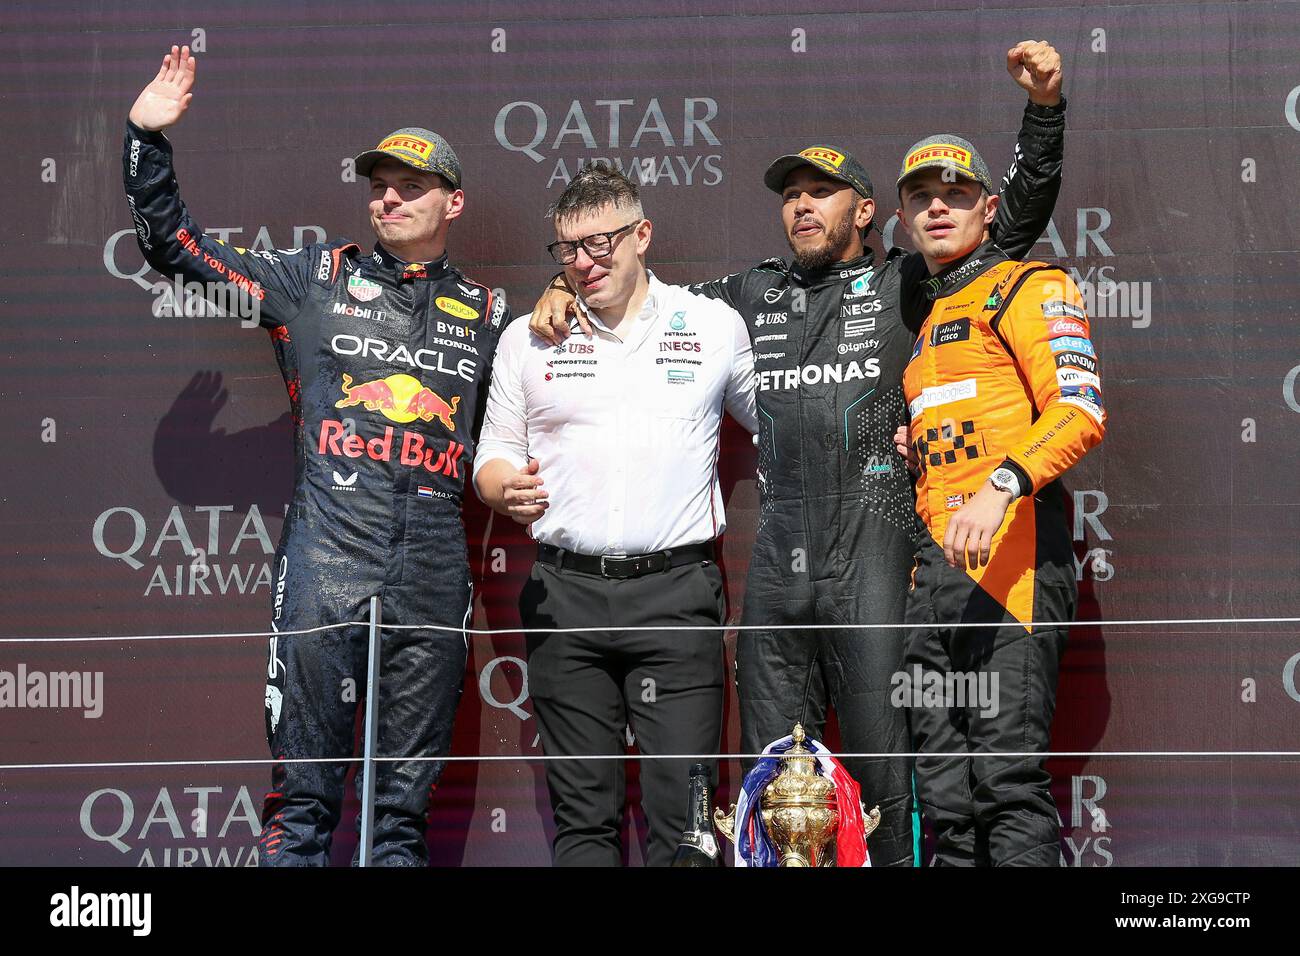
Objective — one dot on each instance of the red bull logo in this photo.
(377, 396)
(427, 405)
(399, 398)
(415, 450)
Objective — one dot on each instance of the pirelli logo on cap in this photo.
(940, 151)
(823, 156)
(408, 144)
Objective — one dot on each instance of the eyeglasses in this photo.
(597, 245)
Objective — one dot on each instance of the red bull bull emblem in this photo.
(427, 405)
(415, 270)
(399, 398)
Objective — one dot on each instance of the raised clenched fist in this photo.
(1036, 66)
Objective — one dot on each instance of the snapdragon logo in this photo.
(671, 142)
(76, 909)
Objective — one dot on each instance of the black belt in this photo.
(632, 566)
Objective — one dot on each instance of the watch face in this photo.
(1004, 479)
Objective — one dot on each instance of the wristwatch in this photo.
(1004, 479)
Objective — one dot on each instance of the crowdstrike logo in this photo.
(670, 144)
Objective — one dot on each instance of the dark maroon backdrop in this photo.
(118, 425)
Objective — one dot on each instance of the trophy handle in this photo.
(725, 822)
(870, 821)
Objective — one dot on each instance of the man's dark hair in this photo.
(595, 186)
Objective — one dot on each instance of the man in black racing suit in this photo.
(386, 361)
(837, 526)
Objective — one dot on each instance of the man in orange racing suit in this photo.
(1004, 396)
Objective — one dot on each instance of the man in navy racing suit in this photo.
(832, 333)
(386, 358)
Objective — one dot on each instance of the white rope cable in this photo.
(1204, 754)
(503, 758)
(484, 632)
(178, 637)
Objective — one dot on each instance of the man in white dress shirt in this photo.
(607, 448)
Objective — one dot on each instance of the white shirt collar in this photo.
(650, 308)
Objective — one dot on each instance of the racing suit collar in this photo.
(974, 264)
(835, 272)
(401, 270)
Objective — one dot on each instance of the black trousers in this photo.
(985, 810)
(316, 682)
(587, 687)
(789, 675)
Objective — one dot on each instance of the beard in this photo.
(831, 250)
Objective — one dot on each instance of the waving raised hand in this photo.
(165, 99)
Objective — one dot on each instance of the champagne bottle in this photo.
(698, 846)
